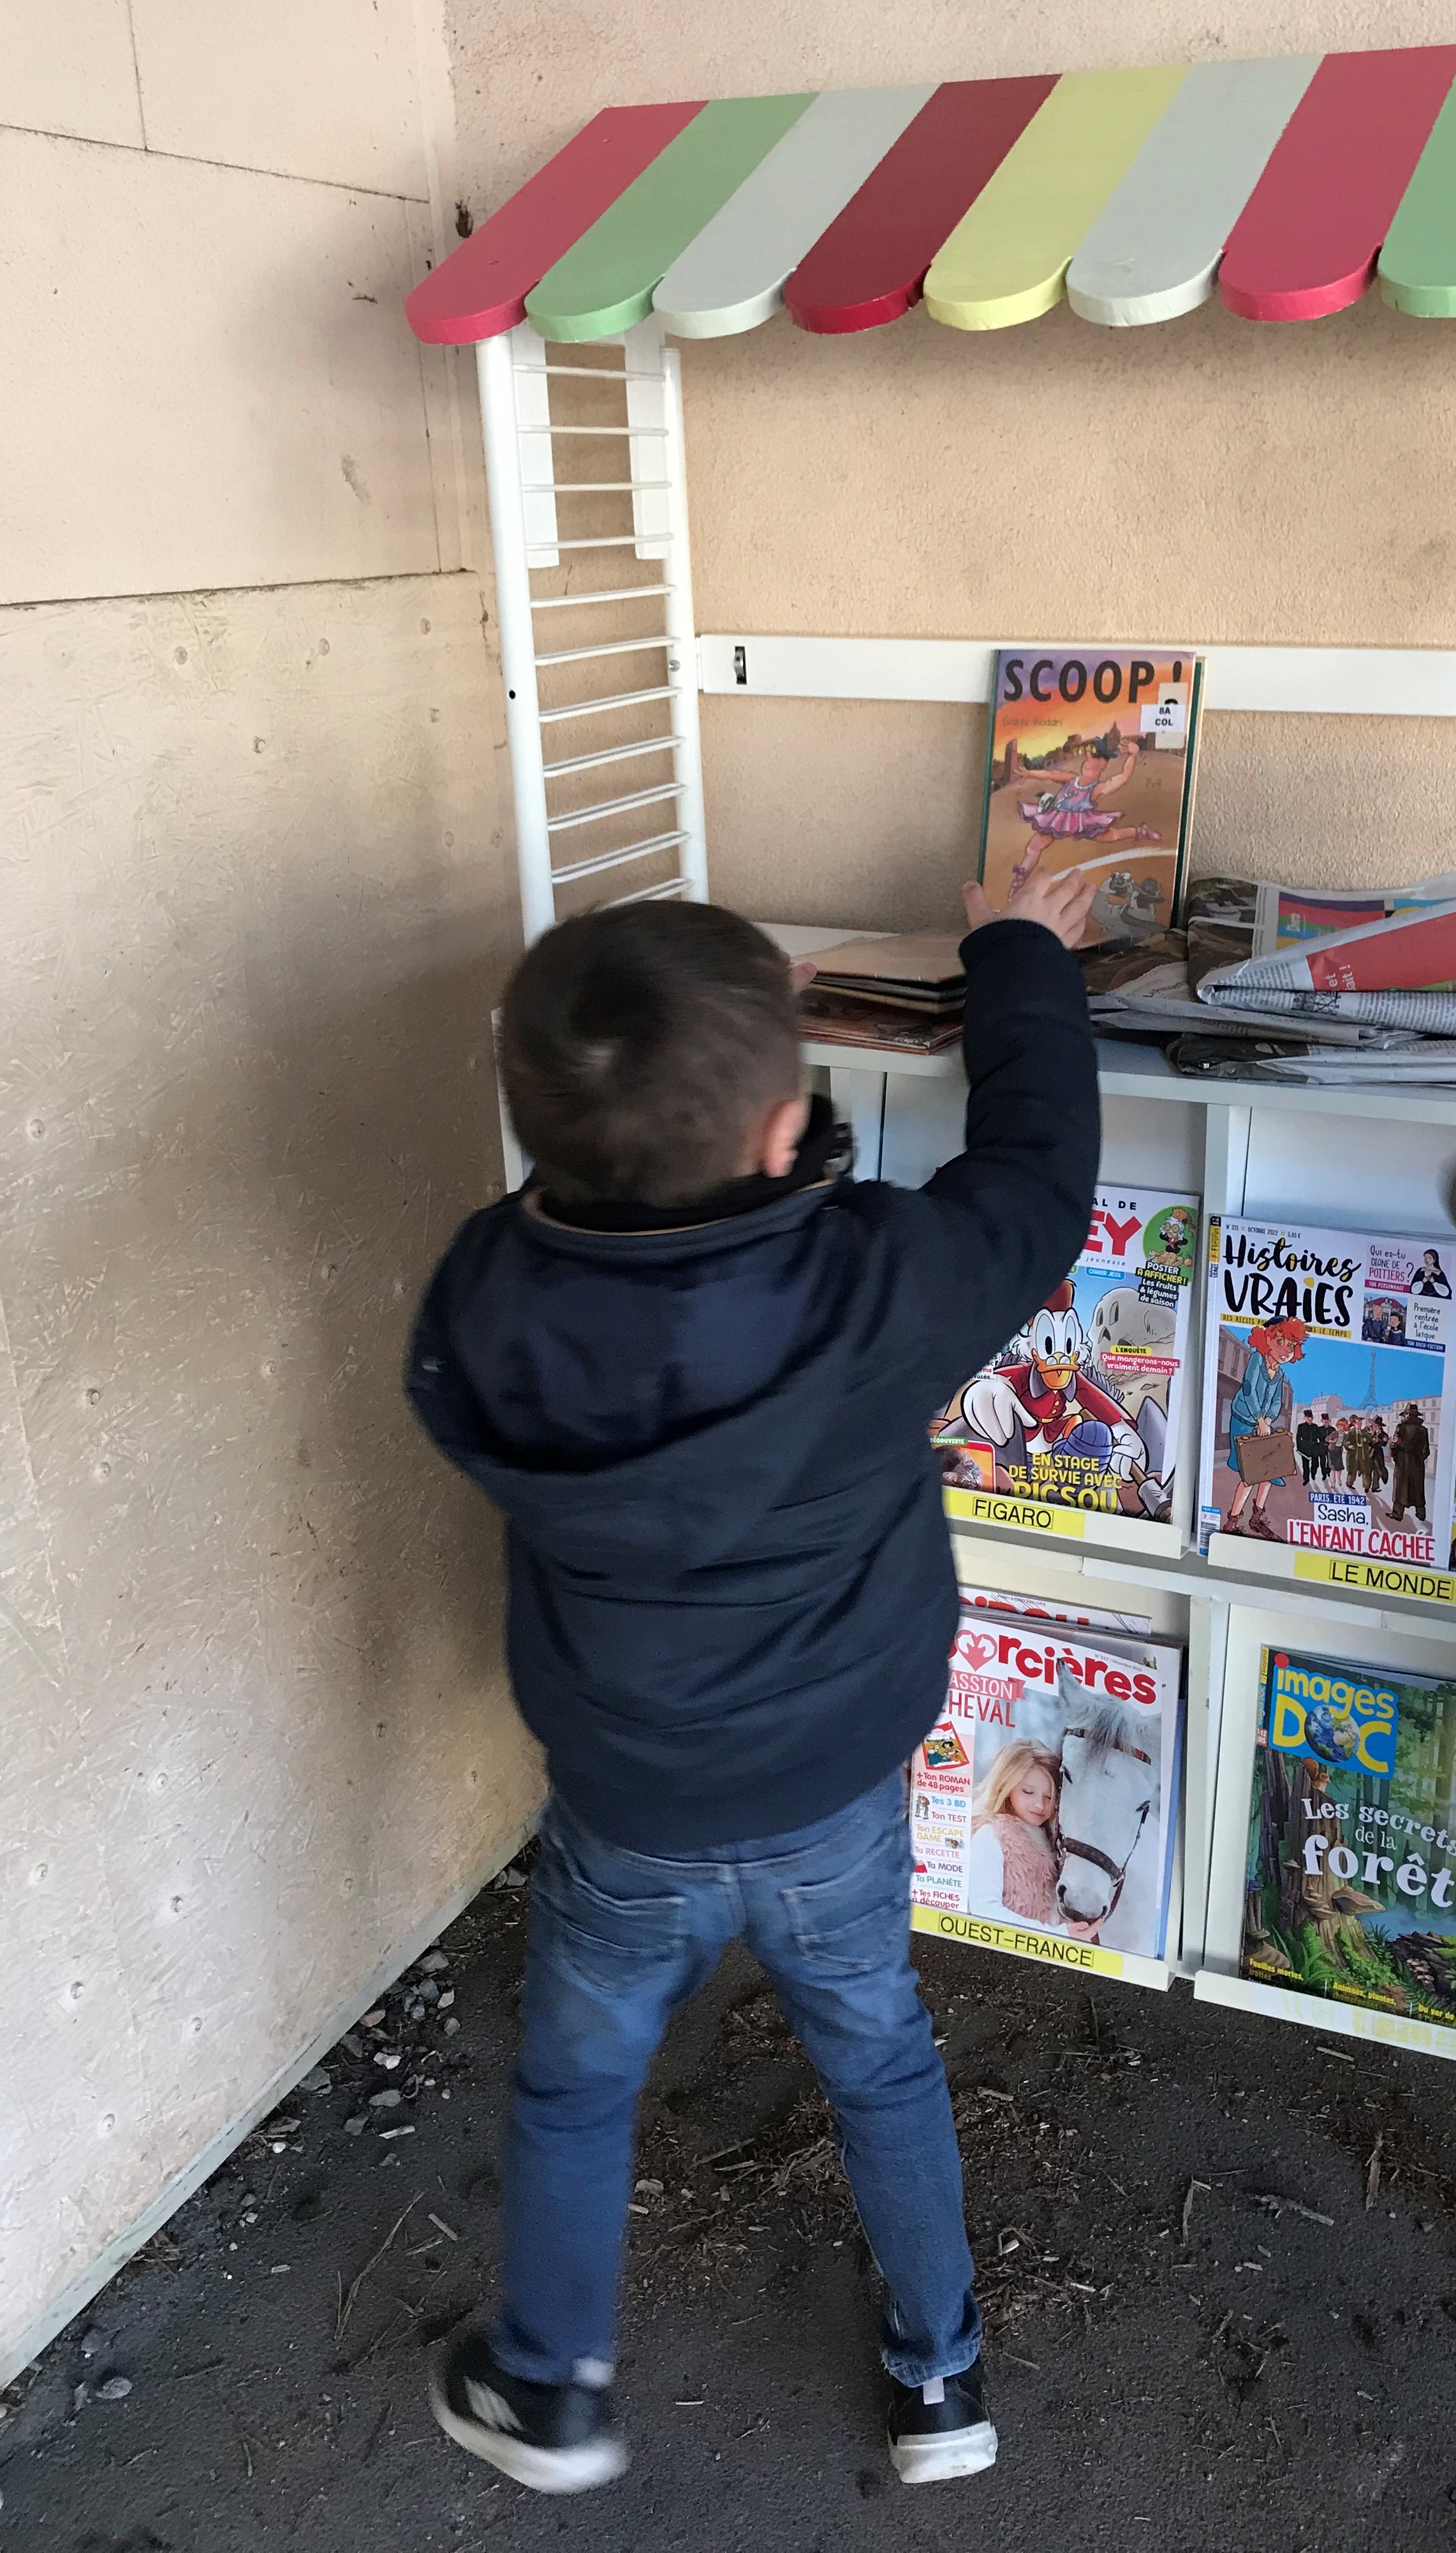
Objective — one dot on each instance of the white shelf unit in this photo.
(1246, 1148)
(1243, 1146)
(639, 690)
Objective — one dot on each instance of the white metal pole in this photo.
(517, 637)
(682, 654)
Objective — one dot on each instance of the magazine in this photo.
(1385, 958)
(1046, 1609)
(1428, 1064)
(1155, 984)
(1287, 916)
(1044, 1798)
(921, 968)
(1327, 1417)
(1089, 766)
(1350, 1882)
(830, 1018)
(1081, 1408)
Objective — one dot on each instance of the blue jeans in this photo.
(617, 1940)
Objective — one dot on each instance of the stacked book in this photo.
(904, 995)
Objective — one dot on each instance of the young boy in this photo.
(695, 1369)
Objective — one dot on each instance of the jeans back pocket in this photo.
(860, 1919)
(612, 1942)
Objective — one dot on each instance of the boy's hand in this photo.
(1060, 904)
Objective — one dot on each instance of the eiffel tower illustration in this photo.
(1373, 1399)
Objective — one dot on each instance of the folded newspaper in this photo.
(1357, 985)
(1155, 987)
(1377, 959)
(1431, 1065)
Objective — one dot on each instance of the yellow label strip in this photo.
(1033, 1516)
(1053, 1947)
(1378, 1577)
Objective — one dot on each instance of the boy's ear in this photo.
(779, 1136)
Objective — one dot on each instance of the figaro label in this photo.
(1033, 1516)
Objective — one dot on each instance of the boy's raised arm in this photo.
(1000, 1225)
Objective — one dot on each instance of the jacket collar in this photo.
(823, 1148)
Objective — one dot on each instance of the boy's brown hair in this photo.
(639, 1048)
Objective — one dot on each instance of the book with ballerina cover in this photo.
(1089, 766)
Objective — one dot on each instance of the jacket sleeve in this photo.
(998, 1227)
(435, 1380)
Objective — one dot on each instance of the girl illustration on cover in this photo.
(1257, 1407)
(1011, 1863)
(1073, 808)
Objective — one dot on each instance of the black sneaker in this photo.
(942, 2430)
(551, 2437)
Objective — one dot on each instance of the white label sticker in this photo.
(1165, 719)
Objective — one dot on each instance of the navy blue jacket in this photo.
(731, 1595)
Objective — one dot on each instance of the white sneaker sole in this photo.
(547, 2468)
(947, 2458)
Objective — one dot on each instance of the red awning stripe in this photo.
(1307, 240)
(481, 288)
(870, 266)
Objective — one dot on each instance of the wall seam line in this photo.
(197, 160)
(436, 109)
(205, 593)
(135, 72)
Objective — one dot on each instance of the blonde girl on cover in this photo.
(1012, 1860)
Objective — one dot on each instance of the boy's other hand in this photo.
(1060, 904)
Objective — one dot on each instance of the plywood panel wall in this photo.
(258, 904)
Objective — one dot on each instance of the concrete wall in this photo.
(1208, 480)
(257, 901)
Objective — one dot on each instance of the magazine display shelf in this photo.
(1246, 1146)
(1252, 1626)
(1242, 1146)
(991, 198)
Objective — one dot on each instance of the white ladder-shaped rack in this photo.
(528, 409)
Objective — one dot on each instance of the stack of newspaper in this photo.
(1345, 988)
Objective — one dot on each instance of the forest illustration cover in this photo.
(1350, 1872)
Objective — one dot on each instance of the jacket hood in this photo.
(619, 1379)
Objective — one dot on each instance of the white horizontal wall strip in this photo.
(1352, 682)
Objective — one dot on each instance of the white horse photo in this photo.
(1110, 1797)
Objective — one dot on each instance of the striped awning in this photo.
(1286, 186)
